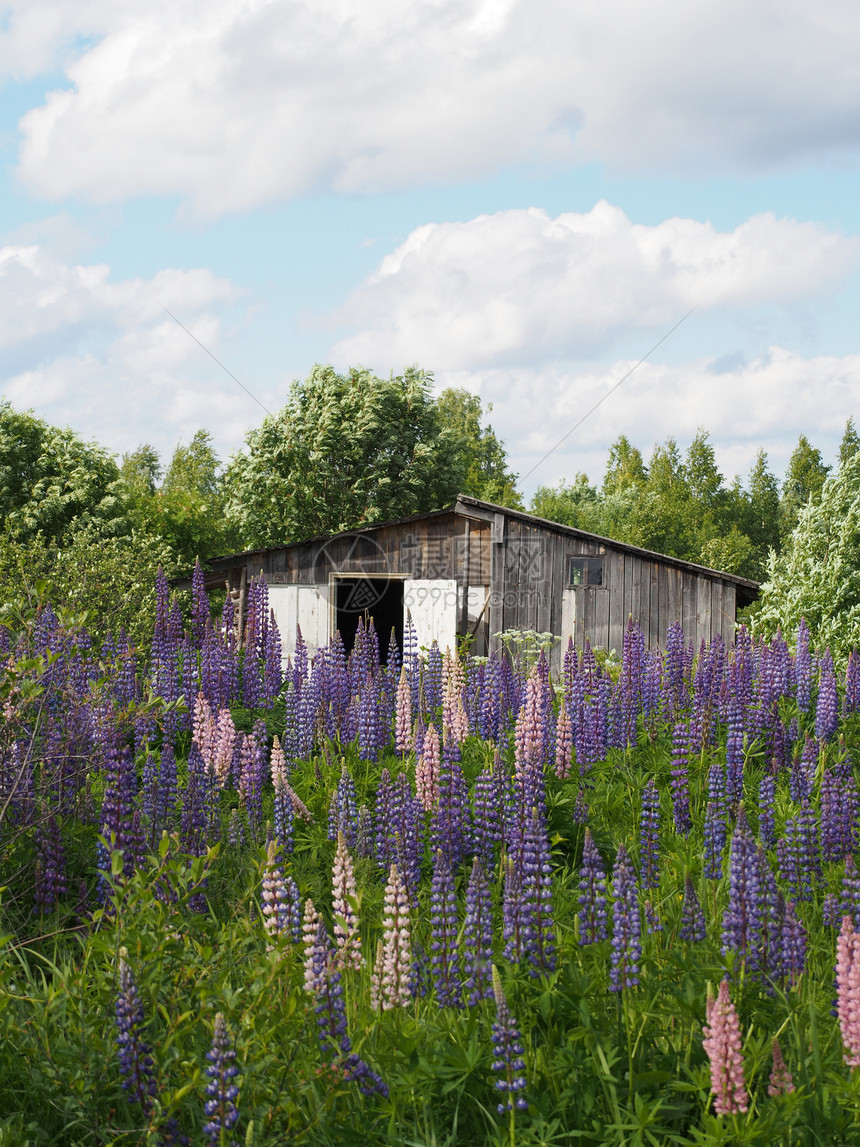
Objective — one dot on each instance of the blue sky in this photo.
(521, 197)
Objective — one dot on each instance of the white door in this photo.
(568, 618)
(305, 605)
(433, 606)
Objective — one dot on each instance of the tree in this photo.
(346, 450)
(573, 503)
(482, 459)
(817, 576)
(850, 443)
(53, 483)
(624, 468)
(804, 479)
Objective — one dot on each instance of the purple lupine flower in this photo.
(50, 883)
(693, 927)
(168, 787)
(451, 827)
(715, 833)
(849, 897)
(803, 769)
(135, 1055)
(432, 680)
(653, 922)
(851, 700)
(222, 1090)
(478, 936)
(118, 809)
(508, 1051)
(489, 812)
(680, 778)
(343, 809)
(593, 910)
(536, 891)
(793, 944)
(444, 926)
(827, 705)
(799, 853)
(744, 920)
(649, 836)
(766, 796)
(626, 925)
(199, 604)
(735, 751)
(803, 668)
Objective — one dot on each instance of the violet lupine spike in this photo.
(536, 891)
(118, 805)
(649, 836)
(508, 1051)
(593, 909)
(488, 819)
(451, 822)
(444, 925)
(343, 808)
(680, 778)
(222, 1091)
(792, 944)
(735, 751)
(626, 925)
(827, 704)
(848, 990)
(799, 853)
(50, 885)
(135, 1054)
(744, 920)
(346, 929)
(722, 1042)
(780, 1081)
(851, 698)
(199, 604)
(766, 797)
(715, 834)
(693, 927)
(478, 937)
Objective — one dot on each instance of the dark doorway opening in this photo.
(365, 598)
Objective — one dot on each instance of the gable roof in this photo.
(468, 507)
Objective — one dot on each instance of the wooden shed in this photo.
(479, 569)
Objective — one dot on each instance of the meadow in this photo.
(413, 896)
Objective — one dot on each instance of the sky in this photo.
(523, 197)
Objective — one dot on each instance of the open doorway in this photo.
(368, 597)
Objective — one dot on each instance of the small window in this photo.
(586, 571)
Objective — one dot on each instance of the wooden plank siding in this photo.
(525, 563)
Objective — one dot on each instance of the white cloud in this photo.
(101, 355)
(762, 404)
(236, 103)
(519, 286)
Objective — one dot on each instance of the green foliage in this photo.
(804, 480)
(817, 575)
(482, 460)
(676, 505)
(185, 508)
(346, 450)
(112, 580)
(53, 483)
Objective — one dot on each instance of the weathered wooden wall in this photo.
(525, 564)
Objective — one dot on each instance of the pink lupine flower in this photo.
(300, 809)
(848, 990)
(563, 743)
(781, 1082)
(203, 727)
(221, 746)
(346, 931)
(393, 983)
(277, 763)
(273, 893)
(427, 770)
(310, 924)
(722, 1042)
(403, 723)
